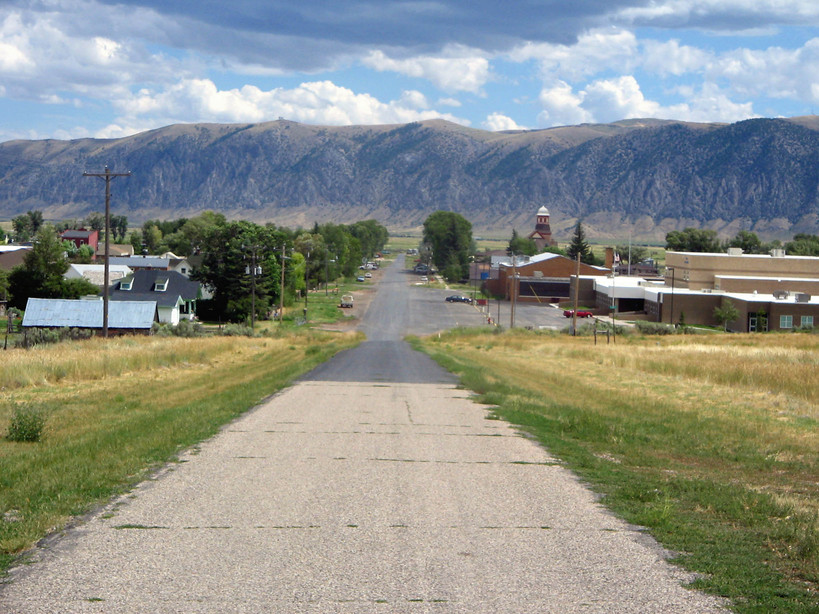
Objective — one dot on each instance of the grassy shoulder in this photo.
(118, 409)
(708, 441)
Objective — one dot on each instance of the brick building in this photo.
(544, 278)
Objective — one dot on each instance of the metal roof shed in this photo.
(123, 316)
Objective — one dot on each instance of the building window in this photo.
(126, 284)
(806, 322)
(161, 285)
(785, 321)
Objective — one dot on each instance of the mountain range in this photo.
(639, 178)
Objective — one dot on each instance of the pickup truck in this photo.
(346, 301)
(580, 313)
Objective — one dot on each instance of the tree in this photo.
(449, 236)
(119, 228)
(41, 274)
(151, 237)
(229, 251)
(579, 246)
(95, 221)
(727, 312)
(693, 240)
(521, 245)
(4, 284)
(803, 245)
(27, 225)
(748, 242)
(78, 255)
(372, 235)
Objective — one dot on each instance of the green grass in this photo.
(711, 443)
(105, 435)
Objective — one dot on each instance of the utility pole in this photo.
(306, 284)
(281, 292)
(514, 292)
(253, 270)
(107, 175)
(576, 295)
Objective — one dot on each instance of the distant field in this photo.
(710, 442)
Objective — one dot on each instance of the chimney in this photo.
(609, 258)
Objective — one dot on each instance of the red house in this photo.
(82, 237)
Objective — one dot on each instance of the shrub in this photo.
(42, 336)
(236, 330)
(654, 328)
(27, 423)
(185, 328)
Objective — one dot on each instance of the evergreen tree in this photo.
(579, 246)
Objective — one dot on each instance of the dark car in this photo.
(457, 299)
(580, 313)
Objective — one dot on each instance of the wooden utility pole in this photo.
(281, 291)
(576, 295)
(514, 292)
(107, 175)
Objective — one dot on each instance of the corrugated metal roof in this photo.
(44, 312)
(138, 262)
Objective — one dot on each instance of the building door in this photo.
(757, 323)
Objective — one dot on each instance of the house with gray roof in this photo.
(174, 294)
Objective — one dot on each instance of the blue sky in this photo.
(104, 68)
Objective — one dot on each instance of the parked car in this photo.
(457, 299)
(360, 278)
(580, 313)
(346, 301)
(368, 275)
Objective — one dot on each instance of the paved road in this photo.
(373, 485)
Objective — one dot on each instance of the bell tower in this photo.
(542, 234)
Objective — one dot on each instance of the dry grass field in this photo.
(709, 441)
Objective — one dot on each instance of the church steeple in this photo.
(542, 234)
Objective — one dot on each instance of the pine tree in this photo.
(579, 246)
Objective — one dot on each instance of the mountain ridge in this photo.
(641, 177)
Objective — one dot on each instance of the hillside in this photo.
(644, 177)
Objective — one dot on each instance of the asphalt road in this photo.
(372, 485)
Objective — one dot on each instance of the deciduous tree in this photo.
(449, 235)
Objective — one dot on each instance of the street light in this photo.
(327, 261)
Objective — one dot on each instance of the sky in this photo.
(106, 68)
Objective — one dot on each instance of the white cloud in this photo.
(594, 51)
(40, 58)
(774, 72)
(457, 69)
(449, 102)
(562, 106)
(498, 121)
(620, 98)
(318, 102)
(608, 100)
(414, 99)
(671, 58)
